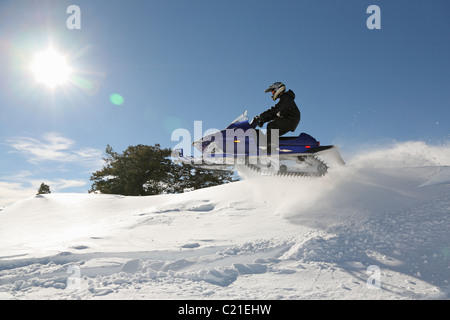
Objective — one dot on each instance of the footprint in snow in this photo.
(190, 245)
(80, 247)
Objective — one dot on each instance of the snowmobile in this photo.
(241, 146)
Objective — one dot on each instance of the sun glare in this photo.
(50, 68)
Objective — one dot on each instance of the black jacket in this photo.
(286, 109)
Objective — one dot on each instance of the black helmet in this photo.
(277, 89)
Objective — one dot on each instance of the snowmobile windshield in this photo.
(243, 117)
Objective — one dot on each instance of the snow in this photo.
(376, 228)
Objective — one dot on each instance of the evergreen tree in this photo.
(44, 189)
(140, 170)
(149, 170)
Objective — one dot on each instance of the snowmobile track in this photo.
(281, 173)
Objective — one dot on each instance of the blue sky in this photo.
(178, 61)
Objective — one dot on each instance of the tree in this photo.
(44, 189)
(148, 170)
(140, 170)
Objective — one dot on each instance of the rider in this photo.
(284, 116)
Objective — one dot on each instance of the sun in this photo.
(50, 68)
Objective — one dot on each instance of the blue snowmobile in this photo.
(241, 146)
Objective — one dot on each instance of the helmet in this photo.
(277, 90)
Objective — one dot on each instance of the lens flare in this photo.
(116, 99)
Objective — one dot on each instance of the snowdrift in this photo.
(376, 228)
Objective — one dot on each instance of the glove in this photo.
(257, 121)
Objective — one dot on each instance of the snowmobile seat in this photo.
(303, 139)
